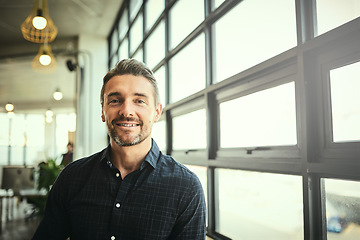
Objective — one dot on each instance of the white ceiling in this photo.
(19, 83)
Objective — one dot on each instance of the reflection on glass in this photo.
(188, 70)
(333, 13)
(136, 33)
(160, 78)
(124, 49)
(345, 102)
(189, 131)
(155, 46)
(123, 25)
(263, 30)
(185, 16)
(342, 201)
(255, 205)
(153, 11)
(265, 118)
(159, 135)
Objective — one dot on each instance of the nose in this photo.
(126, 109)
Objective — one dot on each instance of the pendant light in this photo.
(38, 26)
(44, 61)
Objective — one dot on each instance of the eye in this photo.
(140, 101)
(113, 101)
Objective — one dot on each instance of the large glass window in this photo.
(124, 49)
(345, 102)
(184, 17)
(123, 25)
(160, 78)
(252, 32)
(153, 10)
(155, 51)
(342, 201)
(333, 13)
(188, 69)
(35, 137)
(136, 33)
(265, 118)
(189, 131)
(254, 205)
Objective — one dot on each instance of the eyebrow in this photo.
(119, 94)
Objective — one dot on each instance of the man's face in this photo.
(129, 109)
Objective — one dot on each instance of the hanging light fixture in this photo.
(57, 95)
(44, 60)
(38, 26)
(49, 116)
(9, 107)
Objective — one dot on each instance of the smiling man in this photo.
(130, 190)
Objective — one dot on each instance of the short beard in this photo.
(122, 143)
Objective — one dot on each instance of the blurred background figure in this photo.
(68, 156)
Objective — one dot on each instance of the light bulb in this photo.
(39, 22)
(45, 59)
(9, 107)
(49, 113)
(58, 95)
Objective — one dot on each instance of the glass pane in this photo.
(123, 25)
(17, 155)
(17, 130)
(4, 154)
(136, 33)
(263, 29)
(201, 173)
(345, 102)
(155, 46)
(265, 118)
(342, 209)
(188, 69)
(160, 78)
(124, 49)
(4, 133)
(139, 55)
(218, 3)
(65, 123)
(159, 135)
(182, 26)
(190, 134)
(113, 62)
(134, 8)
(114, 42)
(255, 205)
(153, 10)
(333, 13)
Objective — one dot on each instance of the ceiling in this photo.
(27, 89)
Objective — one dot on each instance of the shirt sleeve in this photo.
(191, 223)
(55, 223)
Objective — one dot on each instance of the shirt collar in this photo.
(151, 158)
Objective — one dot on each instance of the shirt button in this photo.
(112, 238)
(117, 174)
(117, 205)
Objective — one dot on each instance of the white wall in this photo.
(91, 134)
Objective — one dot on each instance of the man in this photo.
(130, 190)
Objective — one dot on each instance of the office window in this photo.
(158, 134)
(136, 33)
(251, 33)
(254, 205)
(218, 3)
(139, 55)
(345, 102)
(155, 51)
(188, 69)
(342, 209)
(135, 6)
(189, 131)
(124, 49)
(333, 13)
(160, 78)
(265, 118)
(4, 138)
(185, 16)
(65, 125)
(153, 10)
(123, 24)
(114, 42)
(35, 137)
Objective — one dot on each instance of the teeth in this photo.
(127, 125)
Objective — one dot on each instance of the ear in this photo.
(158, 112)
(102, 116)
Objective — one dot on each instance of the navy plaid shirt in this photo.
(89, 200)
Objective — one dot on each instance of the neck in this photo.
(128, 159)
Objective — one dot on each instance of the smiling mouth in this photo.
(127, 124)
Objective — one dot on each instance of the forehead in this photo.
(129, 84)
